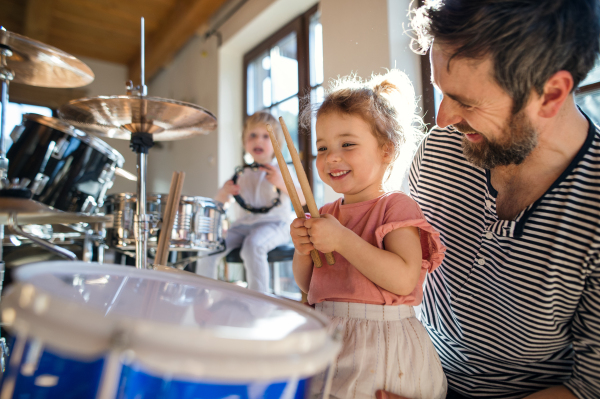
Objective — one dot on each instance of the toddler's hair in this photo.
(262, 118)
(386, 102)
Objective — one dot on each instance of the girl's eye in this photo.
(320, 149)
(347, 144)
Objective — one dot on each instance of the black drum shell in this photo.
(79, 168)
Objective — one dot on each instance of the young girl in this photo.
(382, 244)
(255, 232)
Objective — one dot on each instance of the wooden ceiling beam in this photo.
(38, 15)
(172, 33)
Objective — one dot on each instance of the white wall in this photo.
(191, 77)
(366, 37)
(401, 55)
(355, 37)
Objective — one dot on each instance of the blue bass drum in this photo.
(83, 330)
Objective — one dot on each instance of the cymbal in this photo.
(32, 212)
(118, 116)
(38, 64)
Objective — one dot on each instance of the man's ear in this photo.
(556, 90)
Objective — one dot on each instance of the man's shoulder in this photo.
(443, 139)
(587, 162)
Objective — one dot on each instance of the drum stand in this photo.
(6, 75)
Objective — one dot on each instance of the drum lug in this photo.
(39, 183)
(16, 133)
(107, 174)
(3, 166)
(4, 353)
(89, 205)
(60, 148)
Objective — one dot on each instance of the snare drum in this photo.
(68, 169)
(87, 330)
(198, 224)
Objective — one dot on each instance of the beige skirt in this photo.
(384, 347)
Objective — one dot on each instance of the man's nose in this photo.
(447, 114)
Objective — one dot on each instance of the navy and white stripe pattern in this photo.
(515, 306)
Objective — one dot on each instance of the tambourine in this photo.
(238, 198)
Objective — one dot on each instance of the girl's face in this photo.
(349, 158)
(258, 144)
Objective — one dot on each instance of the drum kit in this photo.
(81, 329)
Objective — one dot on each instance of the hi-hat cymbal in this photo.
(32, 212)
(38, 64)
(118, 116)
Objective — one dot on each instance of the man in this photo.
(511, 179)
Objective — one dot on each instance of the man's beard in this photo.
(521, 140)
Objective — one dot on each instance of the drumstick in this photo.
(166, 215)
(308, 195)
(291, 188)
(164, 240)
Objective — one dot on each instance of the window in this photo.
(587, 95)
(280, 75)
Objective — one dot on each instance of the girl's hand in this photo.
(228, 189)
(275, 178)
(387, 395)
(325, 232)
(300, 237)
(273, 175)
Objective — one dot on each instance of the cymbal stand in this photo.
(141, 142)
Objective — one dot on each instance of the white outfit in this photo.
(385, 347)
(255, 233)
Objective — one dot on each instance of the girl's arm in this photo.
(224, 194)
(275, 178)
(302, 264)
(395, 268)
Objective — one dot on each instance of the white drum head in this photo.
(171, 322)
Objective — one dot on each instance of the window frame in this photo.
(300, 25)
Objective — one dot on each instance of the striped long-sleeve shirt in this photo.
(515, 306)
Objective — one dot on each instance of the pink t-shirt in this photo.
(372, 220)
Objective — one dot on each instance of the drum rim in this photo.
(190, 198)
(92, 141)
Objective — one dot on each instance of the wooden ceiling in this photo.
(109, 30)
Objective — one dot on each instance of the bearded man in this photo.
(510, 176)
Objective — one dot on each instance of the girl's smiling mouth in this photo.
(338, 174)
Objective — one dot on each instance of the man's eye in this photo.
(465, 106)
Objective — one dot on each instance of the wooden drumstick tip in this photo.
(303, 179)
(289, 184)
